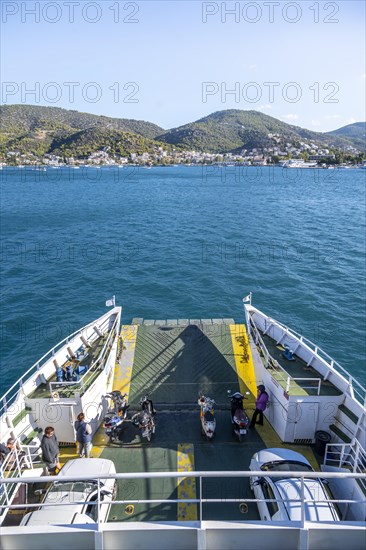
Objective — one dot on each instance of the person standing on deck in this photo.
(83, 435)
(50, 450)
(260, 406)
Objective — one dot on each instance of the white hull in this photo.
(37, 400)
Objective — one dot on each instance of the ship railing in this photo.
(69, 389)
(9, 486)
(351, 456)
(11, 395)
(289, 383)
(356, 390)
(12, 468)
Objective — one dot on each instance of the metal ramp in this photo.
(173, 363)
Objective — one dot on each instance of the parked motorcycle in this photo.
(145, 419)
(239, 417)
(114, 419)
(207, 416)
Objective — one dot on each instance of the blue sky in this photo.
(172, 62)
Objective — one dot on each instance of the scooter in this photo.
(208, 420)
(114, 419)
(145, 419)
(239, 417)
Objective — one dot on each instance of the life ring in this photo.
(55, 395)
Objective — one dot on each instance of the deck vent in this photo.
(304, 441)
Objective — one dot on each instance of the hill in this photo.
(39, 130)
(355, 132)
(21, 119)
(35, 130)
(234, 130)
(115, 142)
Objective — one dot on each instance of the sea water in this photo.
(181, 242)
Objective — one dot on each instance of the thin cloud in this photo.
(290, 116)
(264, 107)
(331, 117)
(315, 122)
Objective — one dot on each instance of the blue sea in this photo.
(181, 242)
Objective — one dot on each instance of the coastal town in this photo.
(306, 153)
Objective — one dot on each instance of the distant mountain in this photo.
(25, 118)
(39, 130)
(233, 130)
(115, 142)
(29, 129)
(355, 132)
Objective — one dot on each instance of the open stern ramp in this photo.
(175, 360)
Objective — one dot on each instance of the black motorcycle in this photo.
(114, 419)
(145, 419)
(239, 418)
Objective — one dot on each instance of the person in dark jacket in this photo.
(50, 450)
(260, 406)
(83, 435)
(5, 450)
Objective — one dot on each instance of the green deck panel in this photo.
(348, 413)
(19, 417)
(173, 364)
(298, 369)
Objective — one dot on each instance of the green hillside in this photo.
(355, 132)
(24, 118)
(116, 142)
(36, 130)
(233, 130)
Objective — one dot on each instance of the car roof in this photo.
(51, 517)
(322, 510)
(274, 454)
(87, 466)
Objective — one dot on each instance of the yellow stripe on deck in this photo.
(186, 485)
(243, 359)
(122, 380)
(123, 371)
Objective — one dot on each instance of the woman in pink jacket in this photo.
(260, 406)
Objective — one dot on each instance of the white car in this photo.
(64, 493)
(283, 489)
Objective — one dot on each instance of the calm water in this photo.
(181, 242)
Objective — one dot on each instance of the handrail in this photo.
(80, 382)
(285, 376)
(36, 366)
(201, 475)
(359, 390)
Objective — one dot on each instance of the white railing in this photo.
(346, 455)
(79, 385)
(357, 390)
(10, 396)
(8, 487)
(288, 381)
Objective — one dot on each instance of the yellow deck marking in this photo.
(123, 371)
(186, 485)
(243, 359)
(246, 374)
(122, 380)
